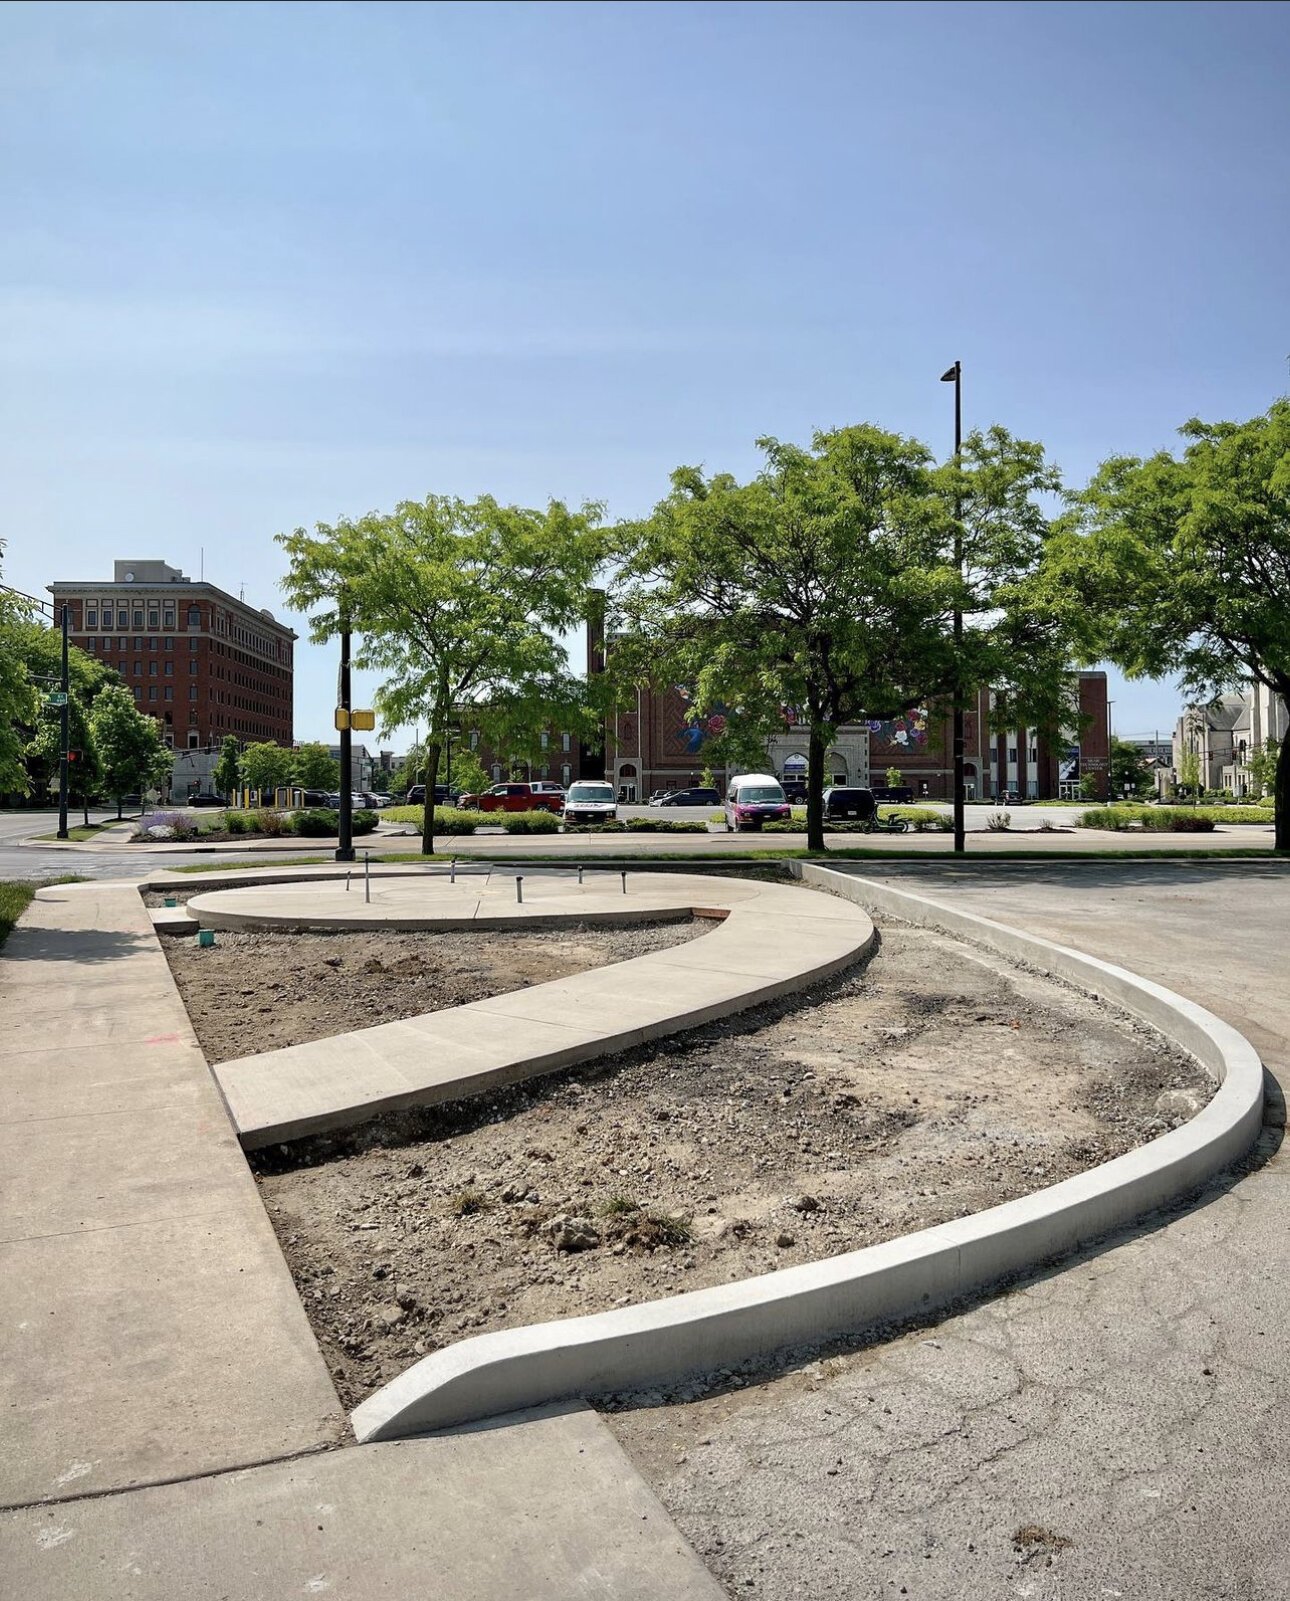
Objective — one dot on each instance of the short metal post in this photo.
(347, 883)
(367, 876)
(580, 876)
(519, 887)
(624, 881)
(452, 871)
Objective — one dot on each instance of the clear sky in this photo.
(262, 265)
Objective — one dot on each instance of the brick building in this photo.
(202, 662)
(655, 744)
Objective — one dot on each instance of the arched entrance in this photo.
(625, 782)
(969, 781)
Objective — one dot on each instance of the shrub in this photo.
(615, 826)
(999, 822)
(1113, 818)
(165, 825)
(237, 822)
(1179, 820)
(269, 823)
(362, 823)
(529, 822)
(664, 825)
(319, 822)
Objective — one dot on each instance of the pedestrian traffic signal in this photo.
(73, 756)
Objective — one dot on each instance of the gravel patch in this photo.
(934, 1081)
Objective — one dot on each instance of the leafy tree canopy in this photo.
(228, 770)
(316, 768)
(1180, 564)
(265, 766)
(130, 749)
(458, 604)
(828, 583)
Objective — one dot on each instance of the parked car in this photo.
(204, 800)
(534, 797)
(755, 798)
(319, 797)
(893, 794)
(333, 800)
(590, 801)
(444, 795)
(659, 796)
(691, 797)
(843, 802)
(794, 792)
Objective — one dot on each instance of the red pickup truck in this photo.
(516, 798)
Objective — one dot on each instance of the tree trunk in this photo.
(1281, 790)
(815, 753)
(431, 779)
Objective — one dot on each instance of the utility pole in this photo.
(955, 376)
(62, 739)
(345, 845)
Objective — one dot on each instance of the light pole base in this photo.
(346, 855)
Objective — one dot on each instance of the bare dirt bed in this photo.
(934, 1082)
(257, 992)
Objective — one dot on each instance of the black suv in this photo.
(692, 797)
(856, 803)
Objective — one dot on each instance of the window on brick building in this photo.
(192, 691)
(123, 619)
(170, 694)
(1012, 753)
(194, 617)
(193, 665)
(91, 619)
(170, 667)
(152, 692)
(168, 644)
(138, 667)
(152, 669)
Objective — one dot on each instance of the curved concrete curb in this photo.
(665, 1340)
(772, 939)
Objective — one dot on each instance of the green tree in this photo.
(316, 768)
(85, 773)
(31, 646)
(1262, 767)
(130, 749)
(265, 766)
(893, 778)
(468, 775)
(1129, 771)
(228, 770)
(827, 585)
(1181, 564)
(1189, 773)
(458, 604)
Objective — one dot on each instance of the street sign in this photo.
(57, 697)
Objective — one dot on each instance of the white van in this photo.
(755, 798)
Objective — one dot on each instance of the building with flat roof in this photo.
(203, 662)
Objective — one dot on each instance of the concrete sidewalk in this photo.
(167, 1414)
(544, 1507)
(144, 1284)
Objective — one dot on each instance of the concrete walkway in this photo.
(167, 1414)
(151, 1328)
(774, 939)
(1123, 1414)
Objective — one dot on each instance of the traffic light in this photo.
(73, 756)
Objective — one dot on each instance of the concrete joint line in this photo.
(663, 1341)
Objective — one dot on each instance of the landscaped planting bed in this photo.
(933, 1082)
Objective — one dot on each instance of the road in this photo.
(1122, 1414)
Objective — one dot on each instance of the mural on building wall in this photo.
(693, 733)
(907, 733)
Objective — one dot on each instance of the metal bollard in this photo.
(580, 878)
(452, 871)
(624, 881)
(519, 888)
(347, 883)
(367, 876)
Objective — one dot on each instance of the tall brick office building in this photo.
(202, 662)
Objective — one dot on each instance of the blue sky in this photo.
(264, 265)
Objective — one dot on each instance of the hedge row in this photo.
(638, 825)
(1163, 819)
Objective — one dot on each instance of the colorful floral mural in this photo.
(694, 733)
(904, 733)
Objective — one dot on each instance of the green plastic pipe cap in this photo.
(205, 937)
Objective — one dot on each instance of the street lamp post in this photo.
(345, 843)
(62, 738)
(955, 376)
